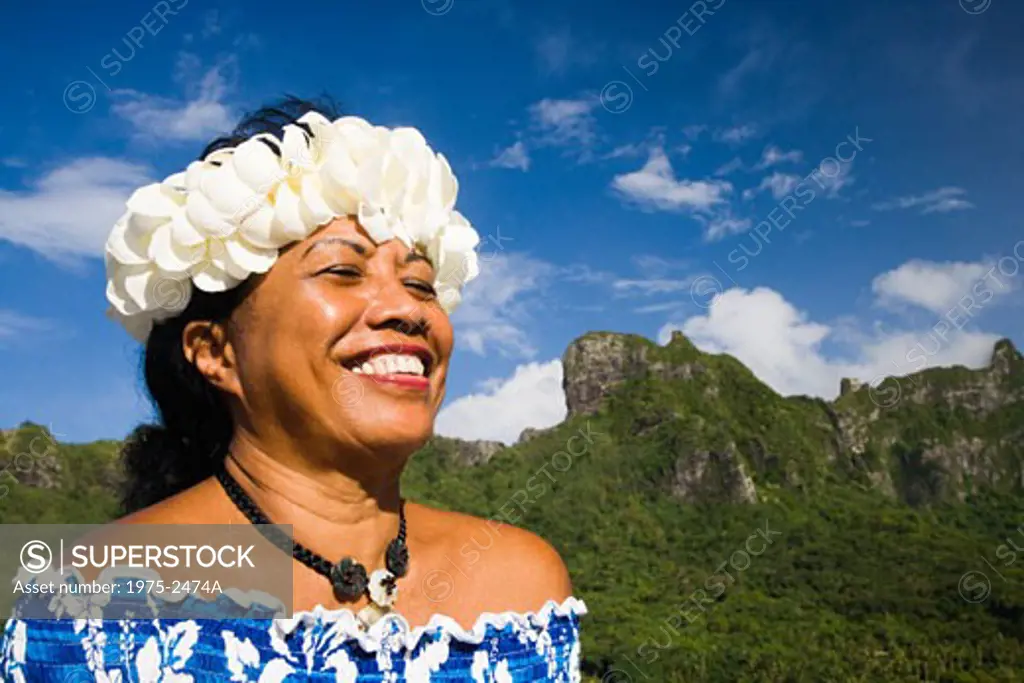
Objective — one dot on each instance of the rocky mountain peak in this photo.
(594, 364)
(28, 454)
(1006, 357)
(885, 435)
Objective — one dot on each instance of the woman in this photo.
(292, 289)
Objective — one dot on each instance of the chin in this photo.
(398, 447)
(393, 416)
(400, 436)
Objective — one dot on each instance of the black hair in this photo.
(190, 440)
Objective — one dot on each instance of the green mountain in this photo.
(721, 532)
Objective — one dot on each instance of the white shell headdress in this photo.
(225, 217)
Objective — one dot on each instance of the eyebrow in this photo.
(360, 249)
(416, 256)
(356, 247)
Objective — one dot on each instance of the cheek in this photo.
(444, 335)
(323, 314)
(314, 314)
(297, 329)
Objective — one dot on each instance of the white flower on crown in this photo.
(226, 217)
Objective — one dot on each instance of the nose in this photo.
(393, 306)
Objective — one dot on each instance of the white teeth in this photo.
(391, 364)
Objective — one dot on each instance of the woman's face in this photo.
(344, 342)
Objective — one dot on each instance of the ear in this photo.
(207, 347)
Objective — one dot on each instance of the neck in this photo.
(332, 512)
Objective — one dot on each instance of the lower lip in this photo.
(407, 381)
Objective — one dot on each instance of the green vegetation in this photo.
(883, 546)
(854, 586)
(47, 482)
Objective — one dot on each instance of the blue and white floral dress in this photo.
(108, 646)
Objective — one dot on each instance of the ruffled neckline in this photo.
(390, 630)
(395, 627)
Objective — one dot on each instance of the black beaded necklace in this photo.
(347, 577)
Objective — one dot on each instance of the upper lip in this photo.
(421, 352)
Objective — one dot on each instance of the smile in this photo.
(392, 364)
(405, 365)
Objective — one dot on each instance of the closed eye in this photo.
(341, 270)
(351, 271)
(424, 287)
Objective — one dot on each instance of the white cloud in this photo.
(722, 226)
(493, 313)
(773, 155)
(14, 325)
(729, 167)
(650, 286)
(515, 156)
(783, 347)
(655, 187)
(832, 183)
(655, 139)
(559, 51)
(211, 23)
(780, 184)
(736, 134)
(896, 354)
(937, 287)
(942, 200)
(767, 334)
(565, 122)
(754, 60)
(531, 397)
(660, 308)
(694, 131)
(68, 212)
(247, 40)
(583, 273)
(657, 266)
(629, 150)
(828, 179)
(947, 205)
(194, 119)
(554, 51)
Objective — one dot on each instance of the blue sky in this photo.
(635, 167)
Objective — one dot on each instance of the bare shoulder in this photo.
(501, 567)
(198, 504)
(192, 506)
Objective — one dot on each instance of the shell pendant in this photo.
(382, 589)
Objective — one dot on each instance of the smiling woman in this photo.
(293, 290)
